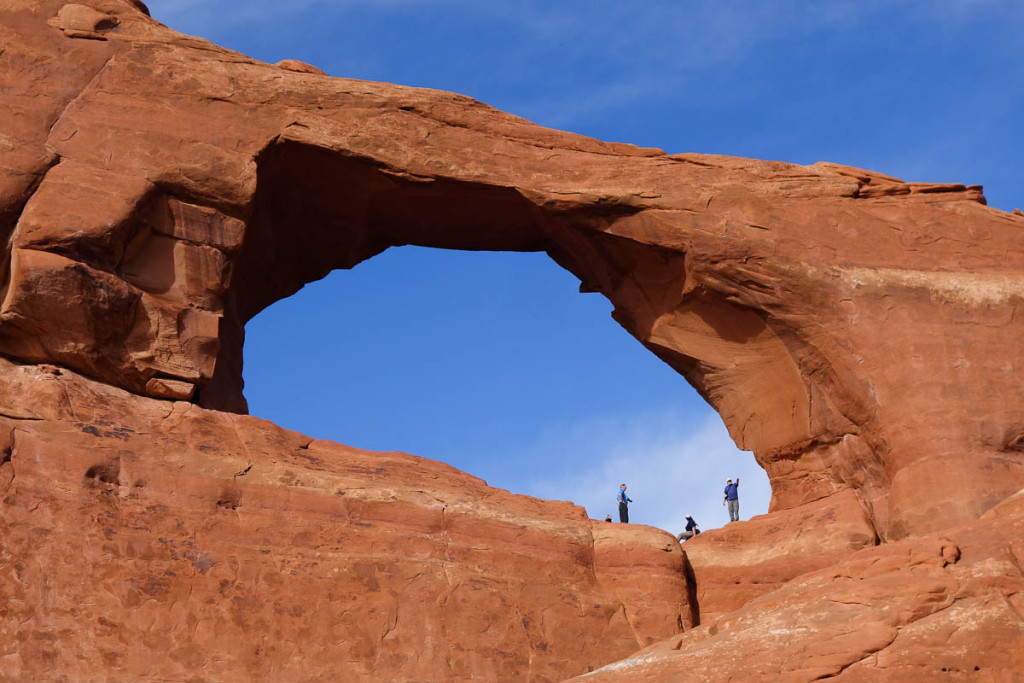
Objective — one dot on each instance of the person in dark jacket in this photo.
(691, 529)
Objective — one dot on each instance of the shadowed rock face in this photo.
(858, 333)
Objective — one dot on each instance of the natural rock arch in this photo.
(858, 333)
(836, 318)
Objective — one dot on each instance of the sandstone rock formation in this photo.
(857, 332)
(148, 539)
(922, 609)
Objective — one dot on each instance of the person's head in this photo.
(689, 517)
(623, 486)
(728, 481)
(607, 518)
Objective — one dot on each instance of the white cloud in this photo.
(671, 469)
(566, 110)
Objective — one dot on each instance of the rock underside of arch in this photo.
(857, 332)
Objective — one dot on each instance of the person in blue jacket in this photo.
(732, 499)
(623, 502)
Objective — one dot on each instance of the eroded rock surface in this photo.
(942, 607)
(741, 561)
(857, 332)
(147, 539)
(161, 191)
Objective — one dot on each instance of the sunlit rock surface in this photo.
(155, 539)
(945, 607)
(857, 332)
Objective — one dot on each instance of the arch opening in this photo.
(492, 362)
(317, 210)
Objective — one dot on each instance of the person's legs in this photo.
(734, 510)
(623, 513)
(685, 535)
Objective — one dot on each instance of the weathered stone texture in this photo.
(147, 539)
(943, 607)
(196, 186)
(857, 332)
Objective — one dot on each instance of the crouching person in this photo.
(691, 529)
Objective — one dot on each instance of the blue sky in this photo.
(494, 362)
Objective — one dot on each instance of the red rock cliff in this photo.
(154, 539)
(855, 331)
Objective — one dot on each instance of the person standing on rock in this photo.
(732, 499)
(623, 500)
(690, 531)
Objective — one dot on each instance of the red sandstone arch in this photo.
(838, 319)
(857, 332)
